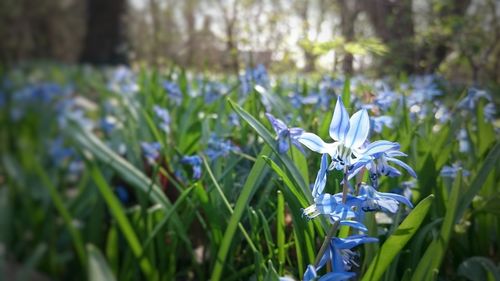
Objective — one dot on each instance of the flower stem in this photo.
(335, 225)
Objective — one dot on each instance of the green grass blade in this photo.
(489, 163)
(118, 213)
(431, 260)
(66, 216)
(280, 230)
(395, 243)
(249, 188)
(228, 206)
(127, 172)
(98, 269)
(268, 138)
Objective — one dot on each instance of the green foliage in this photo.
(242, 219)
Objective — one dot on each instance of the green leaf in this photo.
(98, 269)
(479, 269)
(130, 174)
(118, 213)
(267, 137)
(429, 264)
(491, 161)
(396, 242)
(63, 211)
(249, 188)
(280, 230)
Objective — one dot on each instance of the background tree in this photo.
(105, 35)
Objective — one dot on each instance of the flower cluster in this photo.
(352, 153)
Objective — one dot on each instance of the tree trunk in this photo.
(104, 40)
(349, 10)
(393, 23)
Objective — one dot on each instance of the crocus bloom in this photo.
(285, 134)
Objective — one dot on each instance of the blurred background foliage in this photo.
(456, 38)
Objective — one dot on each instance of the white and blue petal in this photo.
(320, 182)
(315, 143)
(396, 197)
(354, 224)
(359, 128)
(403, 165)
(340, 121)
(380, 146)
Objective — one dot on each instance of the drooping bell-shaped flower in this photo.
(285, 134)
(372, 200)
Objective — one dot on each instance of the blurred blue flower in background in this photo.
(173, 91)
(151, 151)
(285, 135)
(195, 162)
(451, 171)
(379, 122)
(164, 118)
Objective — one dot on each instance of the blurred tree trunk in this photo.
(430, 56)
(349, 10)
(309, 57)
(104, 41)
(189, 16)
(393, 23)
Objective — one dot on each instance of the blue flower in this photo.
(451, 171)
(123, 194)
(151, 151)
(194, 161)
(123, 81)
(341, 257)
(380, 153)
(108, 124)
(372, 200)
(378, 122)
(320, 182)
(489, 112)
(173, 91)
(349, 136)
(218, 147)
(472, 97)
(331, 206)
(285, 135)
(164, 117)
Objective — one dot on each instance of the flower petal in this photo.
(359, 127)
(354, 224)
(315, 143)
(352, 241)
(340, 121)
(310, 273)
(320, 182)
(403, 165)
(337, 276)
(380, 146)
(277, 124)
(397, 197)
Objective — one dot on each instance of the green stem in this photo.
(335, 225)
